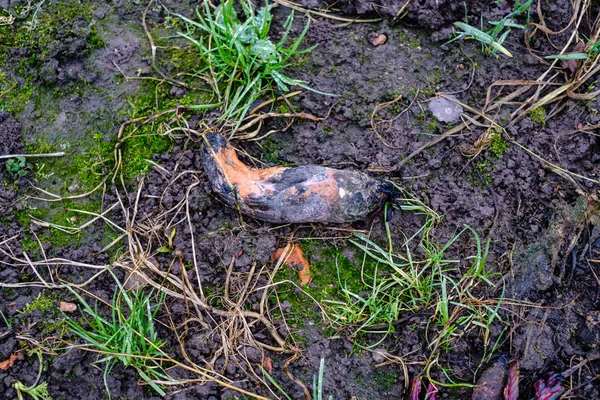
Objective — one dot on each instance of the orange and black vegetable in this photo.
(291, 195)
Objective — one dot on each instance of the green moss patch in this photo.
(330, 271)
(538, 116)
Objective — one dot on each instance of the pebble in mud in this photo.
(445, 110)
(377, 39)
(378, 356)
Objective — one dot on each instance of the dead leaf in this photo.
(511, 391)
(573, 65)
(67, 307)
(296, 260)
(4, 365)
(268, 365)
(432, 391)
(415, 388)
(549, 388)
(136, 279)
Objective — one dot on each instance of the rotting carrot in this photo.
(295, 259)
(292, 195)
(6, 364)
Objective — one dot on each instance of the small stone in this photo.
(67, 307)
(314, 4)
(378, 356)
(178, 92)
(286, 306)
(253, 354)
(99, 14)
(377, 39)
(445, 110)
(73, 188)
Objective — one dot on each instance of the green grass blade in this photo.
(274, 383)
(569, 56)
(475, 33)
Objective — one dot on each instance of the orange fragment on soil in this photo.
(4, 365)
(296, 260)
(67, 307)
(268, 365)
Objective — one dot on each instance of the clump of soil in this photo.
(10, 134)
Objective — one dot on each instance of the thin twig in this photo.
(59, 154)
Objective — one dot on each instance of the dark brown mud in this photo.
(530, 212)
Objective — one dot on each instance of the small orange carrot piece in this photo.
(295, 259)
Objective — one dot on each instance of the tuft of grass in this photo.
(406, 281)
(492, 39)
(128, 336)
(8, 322)
(592, 52)
(238, 57)
(419, 276)
(318, 383)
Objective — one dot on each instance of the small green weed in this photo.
(238, 57)
(128, 336)
(37, 392)
(492, 40)
(16, 167)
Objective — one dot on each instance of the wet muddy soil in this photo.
(72, 72)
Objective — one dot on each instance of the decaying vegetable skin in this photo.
(291, 195)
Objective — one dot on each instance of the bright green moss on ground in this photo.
(498, 145)
(40, 29)
(13, 97)
(46, 301)
(38, 34)
(538, 116)
(88, 137)
(330, 270)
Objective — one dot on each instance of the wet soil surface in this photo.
(543, 242)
